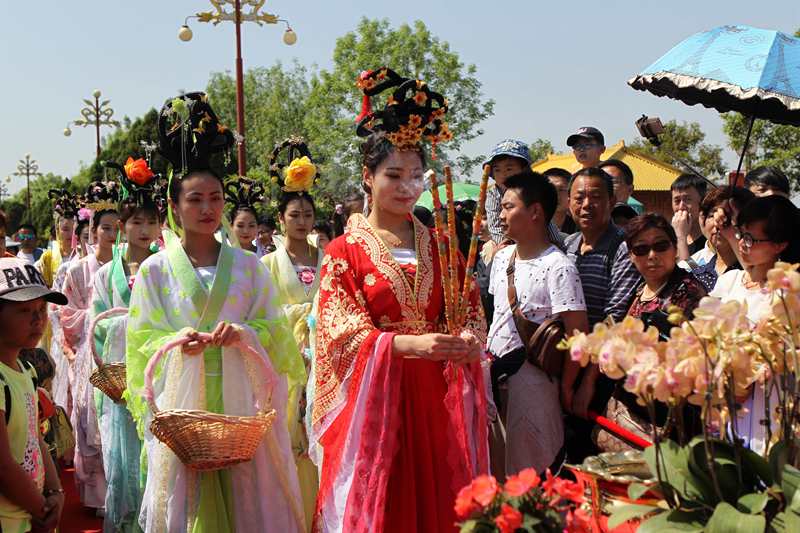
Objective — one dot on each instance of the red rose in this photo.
(465, 504)
(484, 489)
(524, 481)
(509, 519)
(138, 171)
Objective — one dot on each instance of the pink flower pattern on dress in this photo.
(306, 276)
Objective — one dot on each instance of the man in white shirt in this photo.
(547, 284)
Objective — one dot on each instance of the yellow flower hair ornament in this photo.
(296, 171)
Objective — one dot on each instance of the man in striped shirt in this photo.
(609, 281)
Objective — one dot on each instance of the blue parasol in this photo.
(732, 68)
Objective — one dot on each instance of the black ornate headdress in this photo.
(413, 111)
(64, 202)
(189, 133)
(138, 182)
(297, 172)
(244, 193)
(102, 196)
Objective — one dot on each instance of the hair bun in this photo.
(189, 133)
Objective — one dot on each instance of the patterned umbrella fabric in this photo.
(731, 68)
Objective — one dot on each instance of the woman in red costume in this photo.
(398, 420)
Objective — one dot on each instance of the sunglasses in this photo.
(659, 247)
(747, 239)
(582, 147)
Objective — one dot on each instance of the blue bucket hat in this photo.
(511, 148)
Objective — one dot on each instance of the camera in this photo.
(650, 129)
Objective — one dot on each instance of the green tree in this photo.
(685, 142)
(540, 149)
(412, 51)
(275, 106)
(41, 213)
(771, 144)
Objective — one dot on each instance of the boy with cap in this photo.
(30, 491)
(588, 146)
(508, 157)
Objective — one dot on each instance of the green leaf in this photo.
(468, 526)
(726, 519)
(777, 458)
(753, 503)
(530, 522)
(785, 522)
(756, 465)
(790, 481)
(794, 504)
(636, 490)
(673, 522)
(629, 512)
(675, 471)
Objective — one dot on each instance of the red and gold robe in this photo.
(395, 438)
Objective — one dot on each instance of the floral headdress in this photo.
(189, 133)
(138, 182)
(102, 196)
(64, 202)
(244, 193)
(299, 172)
(413, 111)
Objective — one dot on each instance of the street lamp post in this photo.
(28, 167)
(95, 114)
(238, 16)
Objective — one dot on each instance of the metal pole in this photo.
(97, 125)
(28, 195)
(240, 89)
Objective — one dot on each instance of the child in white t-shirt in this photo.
(547, 284)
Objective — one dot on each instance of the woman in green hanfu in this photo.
(201, 284)
(295, 266)
(139, 223)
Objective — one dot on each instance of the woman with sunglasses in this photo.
(653, 248)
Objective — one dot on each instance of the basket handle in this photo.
(185, 339)
(114, 311)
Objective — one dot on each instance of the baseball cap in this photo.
(511, 148)
(21, 282)
(586, 132)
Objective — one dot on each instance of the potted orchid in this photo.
(525, 503)
(714, 482)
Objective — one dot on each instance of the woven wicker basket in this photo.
(202, 440)
(109, 378)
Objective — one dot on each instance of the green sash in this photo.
(119, 280)
(208, 305)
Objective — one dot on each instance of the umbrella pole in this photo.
(746, 145)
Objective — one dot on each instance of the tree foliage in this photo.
(685, 142)
(770, 144)
(41, 213)
(412, 51)
(540, 149)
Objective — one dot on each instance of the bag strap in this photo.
(525, 328)
(7, 393)
(26, 366)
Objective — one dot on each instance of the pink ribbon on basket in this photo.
(204, 338)
(102, 316)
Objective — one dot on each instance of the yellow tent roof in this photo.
(649, 174)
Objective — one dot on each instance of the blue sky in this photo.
(550, 66)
